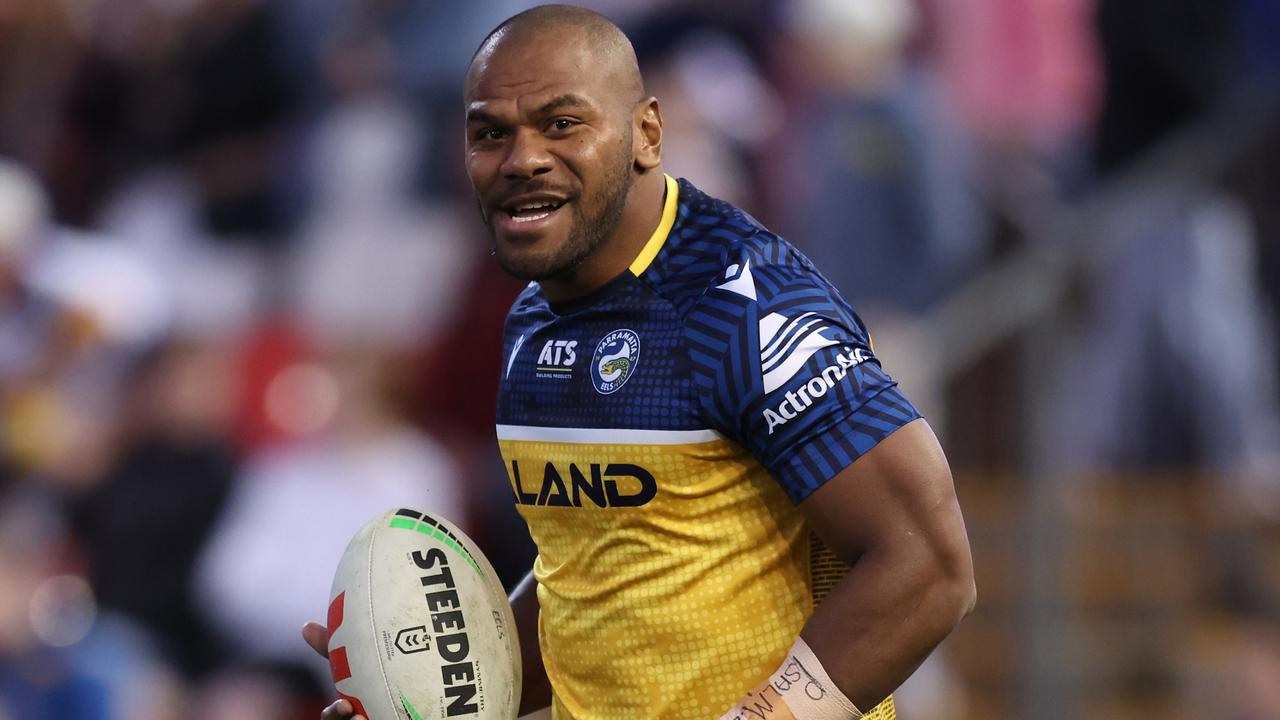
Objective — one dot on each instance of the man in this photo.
(685, 403)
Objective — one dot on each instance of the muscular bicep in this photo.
(893, 516)
(897, 498)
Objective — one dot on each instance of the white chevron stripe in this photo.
(779, 376)
(794, 338)
(774, 329)
(514, 351)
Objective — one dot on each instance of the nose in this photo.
(528, 156)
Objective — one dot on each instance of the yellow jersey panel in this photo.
(666, 609)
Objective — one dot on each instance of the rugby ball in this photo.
(419, 624)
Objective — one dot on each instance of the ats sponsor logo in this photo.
(556, 359)
(579, 485)
(795, 402)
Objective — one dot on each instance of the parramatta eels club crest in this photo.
(615, 360)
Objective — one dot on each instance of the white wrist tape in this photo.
(799, 689)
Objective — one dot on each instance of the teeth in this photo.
(529, 218)
(529, 212)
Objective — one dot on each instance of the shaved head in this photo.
(608, 47)
(563, 147)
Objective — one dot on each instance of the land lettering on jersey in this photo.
(458, 673)
(613, 485)
(795, 402)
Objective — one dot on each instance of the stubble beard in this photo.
(586, 234)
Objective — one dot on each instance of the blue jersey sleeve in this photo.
(785, 368)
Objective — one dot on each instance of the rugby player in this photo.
(737, 513)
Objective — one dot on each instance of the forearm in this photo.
(536, 693)
(887, 615)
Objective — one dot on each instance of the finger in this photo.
(340, 710)
(317, 637)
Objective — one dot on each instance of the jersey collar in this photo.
(659, 236)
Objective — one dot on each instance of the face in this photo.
(549, 153)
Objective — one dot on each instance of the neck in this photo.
(640, 217)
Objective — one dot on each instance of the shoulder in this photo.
(757, 314)
(717, 248)
(526, 311)
(529, 299)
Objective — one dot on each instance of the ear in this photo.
(647, 138)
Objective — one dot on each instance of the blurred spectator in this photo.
(169, 481)
(119, 105)
(877, 180)
(36, 680)
(717, 110)
(1181, 282)
(428, 45)
(200, 83)
(1176, 364)
(258, 692)
(374, 265)
(238, 100)
(60, 657)
(27, 319)
(38, 53)
(268, 566)
(212, 290)
(1022, 75)
(1166, 62)
(879, 187)
(70, 306)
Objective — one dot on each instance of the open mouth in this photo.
(534, 210)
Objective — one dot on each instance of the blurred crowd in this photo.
(246, 303)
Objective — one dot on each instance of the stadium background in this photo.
(245, 303)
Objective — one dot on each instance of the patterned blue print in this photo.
(741, 335)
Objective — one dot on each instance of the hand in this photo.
(318, 638)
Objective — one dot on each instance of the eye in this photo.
(563, 124)
(490, 134)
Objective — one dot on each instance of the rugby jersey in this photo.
(658, 435)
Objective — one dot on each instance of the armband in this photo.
(799, 689)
